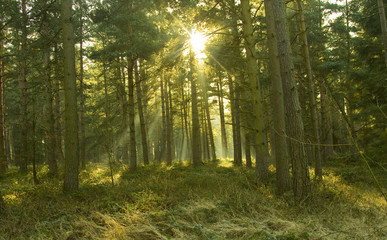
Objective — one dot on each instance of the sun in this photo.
(198, 42)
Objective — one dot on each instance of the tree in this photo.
(383, 25)
(312, 100)
(252, 71)
(23, 91)
(196, 150)
(144, 141)
(71, 113)
(280, 144)
(3, 155)
(294, 122)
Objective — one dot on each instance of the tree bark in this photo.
(58, 115)
(82, 137)
(144, 141)
(108, 128)
(222, 119)
(383, 25)
(51, 141)
(196, 150)
(121, 83)
(294, 126)
(3, 154)
(209, 125)
(280, 145)
(236, 136)
(23, 92)
(252, 72)
(71, 113)
(132, 131)
(309, 75)
(168, 131)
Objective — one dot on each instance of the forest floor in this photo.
(216, 201)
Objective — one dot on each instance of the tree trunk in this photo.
(252, 71)
(168, 133)
(309, 74)
(132, 131)
(49, 95)
(248, 141)
(294, 126)
(383, 25)
(3, 155)
(144, 141)
(186, 125)
(236, 136)
(51, 141)
(171, 120)
(209, 126)
(23, 93)
(71, 114)
(121, 82)
(58, 115)
(164, 130)
(222, 119)
(108, 128)
(326, 121)
(33, 154)
(196, 151)
(82, 137)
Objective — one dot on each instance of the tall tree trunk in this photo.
(23, 92)
(164, 130)
(82, 137)
(144, 88)
(170, 123)
(312, 99)
(3, 154)
(326, 134)
(326, 121)
(168, 134)
(33, 154)
(235, 111)
(121, 83)
(49, 95)
(209, 125)
(196, 151)
(58, 115)
(204, 139)
(71, 113)
(144, 141)
(51, 141)
(222, 119)
(383, 25)
(132, 131)
(294, 126)
(186, 125)
(108, 128)
(252, 71)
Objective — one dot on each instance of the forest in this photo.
(193, 119)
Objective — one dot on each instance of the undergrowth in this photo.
(180, 202)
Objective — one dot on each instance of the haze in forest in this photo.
(194, 119)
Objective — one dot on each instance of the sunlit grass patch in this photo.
(181, 202)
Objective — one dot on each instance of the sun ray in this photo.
(198, 41)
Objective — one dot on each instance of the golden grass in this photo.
(179, 202)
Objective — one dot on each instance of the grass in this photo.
(179, 202)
